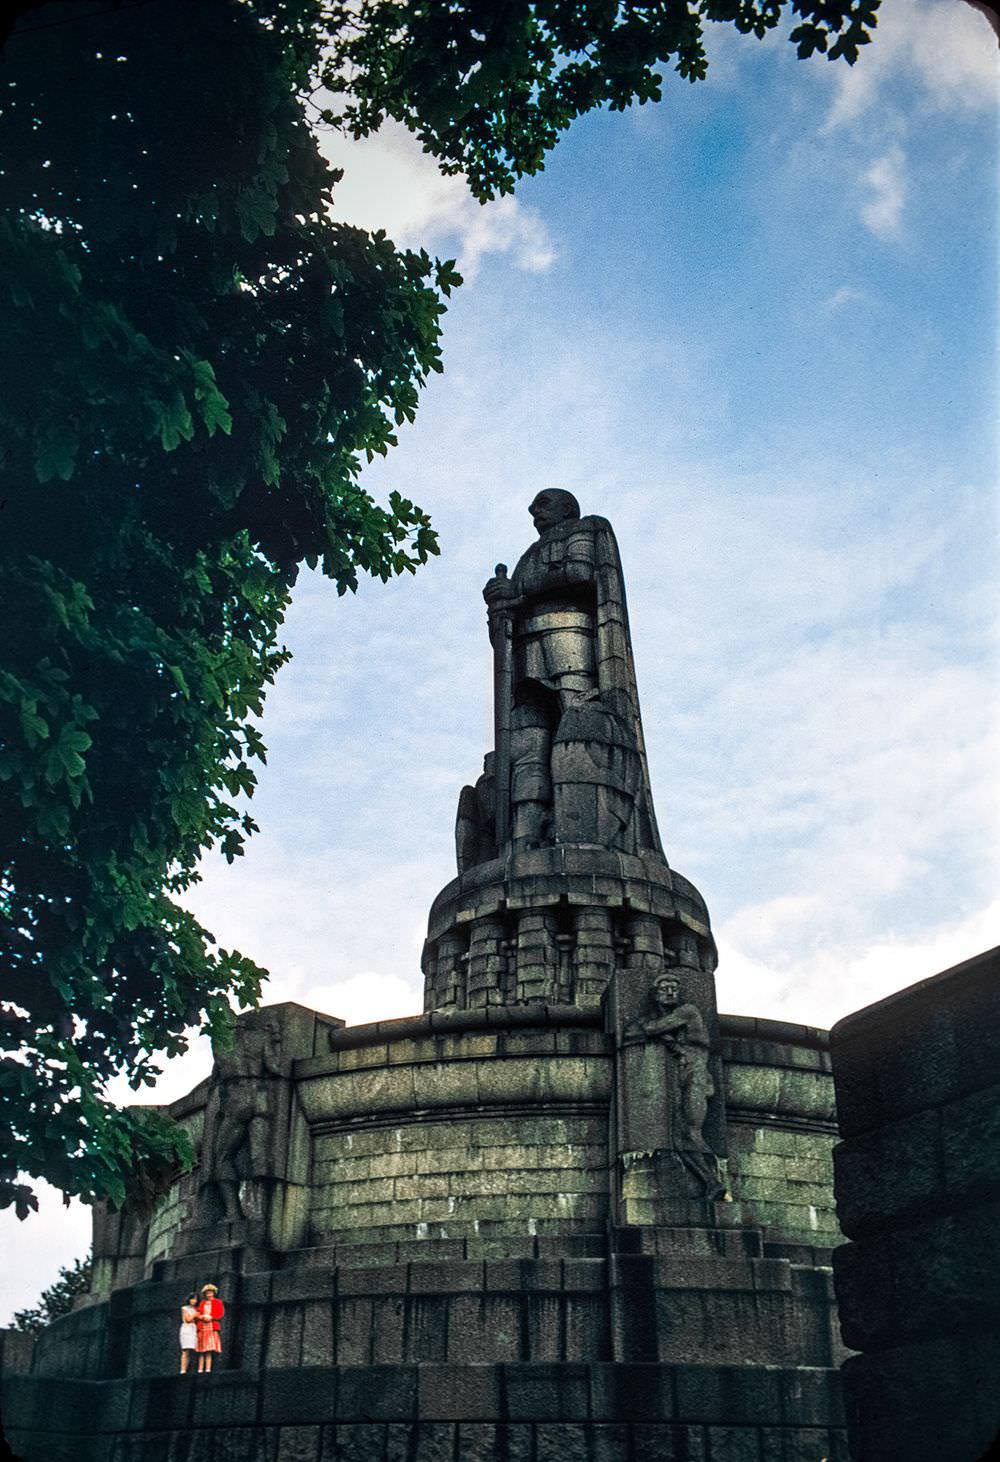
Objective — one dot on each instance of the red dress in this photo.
(210, 1312)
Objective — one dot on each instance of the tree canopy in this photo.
(199, 361)
(488, 89)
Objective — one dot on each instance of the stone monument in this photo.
(564, 895)
(569, 1212)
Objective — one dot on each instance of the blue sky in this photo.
(755, 326)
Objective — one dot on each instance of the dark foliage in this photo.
(197, 361)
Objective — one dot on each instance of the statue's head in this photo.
(552, 506)
(666, 991)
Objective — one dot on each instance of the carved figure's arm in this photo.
(670, 1025)
(580, 569)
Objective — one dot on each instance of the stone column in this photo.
(487, 963)
(595, 954)
(537, 955)
(451, 969)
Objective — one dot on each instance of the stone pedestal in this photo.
(548, 926)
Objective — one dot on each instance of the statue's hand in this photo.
(500, 593)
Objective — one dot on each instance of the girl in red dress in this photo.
(210, 1312)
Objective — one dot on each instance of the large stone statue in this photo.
(562, 880)
(569, 763)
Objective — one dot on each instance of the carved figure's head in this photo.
(551, 507)
(666, 991)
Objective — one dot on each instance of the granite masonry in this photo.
(568, 1214)
(918, 1191)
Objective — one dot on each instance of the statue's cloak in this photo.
(591, 541)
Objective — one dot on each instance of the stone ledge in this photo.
(729, 1395)
(444, 1088)
(782, 1032)
(457, 1022)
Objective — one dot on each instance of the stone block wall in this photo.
(918, 1192)
(443, 1134)
(446, 1178)
(175, 1208)
(439, 1413)
(782, 1127)
(423, 1128)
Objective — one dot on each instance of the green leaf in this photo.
(33, 726)
(56, 450)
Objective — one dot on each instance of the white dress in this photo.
(189, 1330)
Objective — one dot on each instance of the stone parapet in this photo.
(523, 1412)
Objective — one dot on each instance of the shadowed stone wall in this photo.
(918, 1193)
(430, 1413)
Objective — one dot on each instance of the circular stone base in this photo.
(547, 925)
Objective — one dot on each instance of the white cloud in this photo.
(366, 996)
(847, 294)
(180, 1075)
(390, 183)
(864, 790)
(887, 184)
(821, 985)
(343, 920)
(946, 47)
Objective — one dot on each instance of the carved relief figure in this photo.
(240, 1098)
(569, 763)
(680, 1027)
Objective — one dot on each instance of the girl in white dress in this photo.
(189, 1329)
